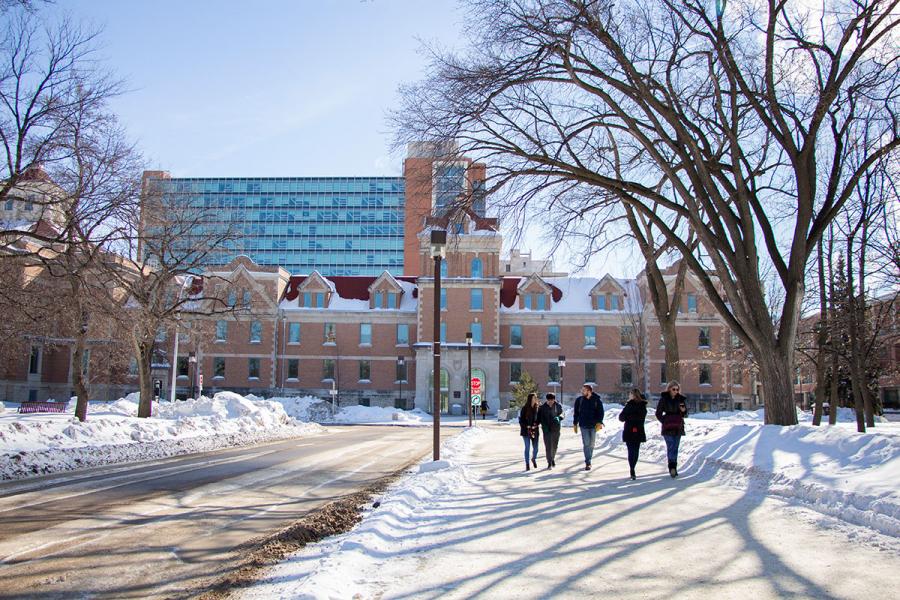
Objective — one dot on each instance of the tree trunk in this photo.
(670, 339)
(81, 405)
(821, 341)
(145, 404)
(775, 371)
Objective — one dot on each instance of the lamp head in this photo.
(438, 243)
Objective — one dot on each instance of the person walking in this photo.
(550, 417)
(589, 417)
(671, 411)
(484, 407)
(529, 430)
(633, 415)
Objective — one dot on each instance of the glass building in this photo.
(336, 225)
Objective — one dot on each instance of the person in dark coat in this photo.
(550, 417)
(484, 408)
(671, 411)
(588, 416)
(633, 415)
(529, 430)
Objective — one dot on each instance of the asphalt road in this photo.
(153, 530)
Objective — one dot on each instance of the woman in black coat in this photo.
(550, 417)
(633, 415)
(529, 430)
(671, 411)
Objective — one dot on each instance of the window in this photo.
(443, 298)
(528, 301)
(181, 368)
(443, 332)
(392, 300)
(307, 299)
(255, 332)
(613, 302)
(294, 333)
(133, 367)
(663, 379)
(246, 299)
(703, 338)
(508, 269)
(253, 368)
(515, 372)
(737, 376)
(9, 204)
(219, 366)
(34, 361)
(590, 337)
(626, 374)
(476, 333)
(221, 331)
(330, 333)
(365, 370)
(553, 372)
(590, 373)
(365, 334)
(402, 334)
(401, 372)
(477, 271)
(160, 335)
(379, 299)
(736, 341)
(515, 335)
(553, 335)
(232, 298)
(293, 369)
(320, 299)
(328, 369)
(601, 302)
(444, 269)
(476, 299)
(705, 374)
(626, 336)
(692, 303)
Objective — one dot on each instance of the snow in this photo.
(378, 414)
(477, 507)
(32, 444)
(576, 296)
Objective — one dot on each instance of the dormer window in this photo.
(379, 300)
(536, 301)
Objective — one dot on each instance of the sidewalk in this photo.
(485, 528)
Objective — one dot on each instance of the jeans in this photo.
(531, 447)
(588, 437)
(551, 441)
(672, 442)
(634, 449)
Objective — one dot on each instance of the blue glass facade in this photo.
(336, 225)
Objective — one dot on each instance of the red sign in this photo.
(476, 385)
(200, 377)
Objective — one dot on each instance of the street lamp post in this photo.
(438, 248)
(401, 373)
(192, 365)
(561, 361)
(469, 385)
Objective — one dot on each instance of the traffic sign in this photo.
(476, 399)
(476, 385)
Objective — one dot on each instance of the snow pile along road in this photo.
(34, 444)
(351, 565)
(832, 469)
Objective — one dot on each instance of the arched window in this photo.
(477, 271)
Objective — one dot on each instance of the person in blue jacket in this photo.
(589, 417)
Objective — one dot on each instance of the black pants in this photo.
(634, 448)
(551, 441)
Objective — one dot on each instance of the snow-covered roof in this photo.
(576, 296)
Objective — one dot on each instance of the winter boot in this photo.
(534, 463)
(633, 476)
(672, 472)
(527, 465)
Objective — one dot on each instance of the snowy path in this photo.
(491, 530)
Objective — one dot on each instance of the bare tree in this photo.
(49, 77)
(160, 272)
(740, 123)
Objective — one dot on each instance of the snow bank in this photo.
(833, 469)
(32, 444)
(380, 414)
(351, 564)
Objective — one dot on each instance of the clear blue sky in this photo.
(274, 88)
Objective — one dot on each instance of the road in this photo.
(153, 530)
